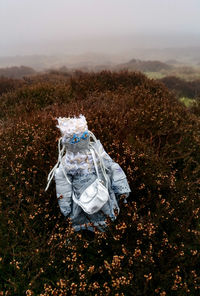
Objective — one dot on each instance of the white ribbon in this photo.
(52, 172)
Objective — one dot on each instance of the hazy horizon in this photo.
(114, 26)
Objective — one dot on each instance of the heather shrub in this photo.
(33, 97)
(16, 72)
(195, 108)
(8, 84)
(182, 87)
(153, 246)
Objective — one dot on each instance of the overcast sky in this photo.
(33, 26)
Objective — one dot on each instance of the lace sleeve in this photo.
(119, 181)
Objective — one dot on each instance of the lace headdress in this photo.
(76, 146)
(70, 125)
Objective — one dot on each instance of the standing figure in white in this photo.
(88, 182)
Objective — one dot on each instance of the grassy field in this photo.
(186, 73)
(188, 101)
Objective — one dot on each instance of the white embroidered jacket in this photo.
(80, 177)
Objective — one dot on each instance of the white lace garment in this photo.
(76, 163)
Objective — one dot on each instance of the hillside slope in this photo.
(152, 247)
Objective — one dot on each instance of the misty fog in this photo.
(114, 28)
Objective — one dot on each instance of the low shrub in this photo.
(152, 247)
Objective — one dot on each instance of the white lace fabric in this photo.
(78, 162)
(70, 125)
